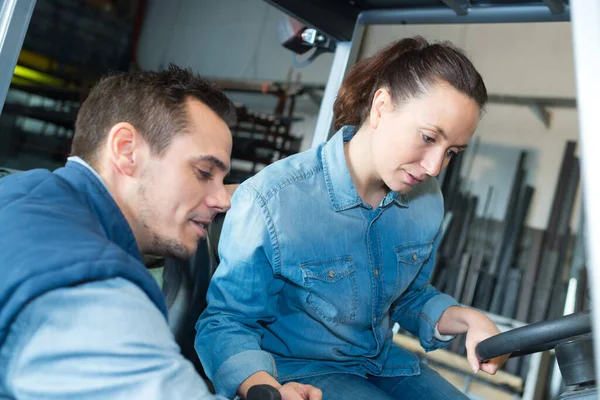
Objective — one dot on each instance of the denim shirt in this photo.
(312, 279)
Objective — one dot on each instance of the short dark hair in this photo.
(407, 68)
(153, 102)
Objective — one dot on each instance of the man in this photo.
(80, 316)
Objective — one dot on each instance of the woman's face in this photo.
(417, 140)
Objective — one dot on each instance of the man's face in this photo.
(180, 191)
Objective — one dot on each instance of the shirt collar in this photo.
(79, 160)
(341, 189)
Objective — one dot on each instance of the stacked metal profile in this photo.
(68, 45)
(260, 139)
(504, 267)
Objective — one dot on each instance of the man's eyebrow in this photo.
(212, 160)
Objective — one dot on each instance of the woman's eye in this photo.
(427, 139)
(450, 153)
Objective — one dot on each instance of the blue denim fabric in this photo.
(312, 279)
(428, 385)
(98, 340)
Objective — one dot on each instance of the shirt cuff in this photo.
(236, 369)
(430, 315)
(439, 336)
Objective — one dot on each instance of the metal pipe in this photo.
(14, 20)
(346, 54)
(586, 45)
(475, 15)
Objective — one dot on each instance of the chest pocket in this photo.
(410, 260)
(331, 288)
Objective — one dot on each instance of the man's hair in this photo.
(153, 102)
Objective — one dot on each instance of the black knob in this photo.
(263, 392)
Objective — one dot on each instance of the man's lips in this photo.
(201, 225)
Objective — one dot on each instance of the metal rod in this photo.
(529, 279)
(478, 256)
(586, 45)
(460, 7)
(14, 20)
(346, 54)
(555, 6)
(561, 102)
(476, 15)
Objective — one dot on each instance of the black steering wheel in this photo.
(535, 337)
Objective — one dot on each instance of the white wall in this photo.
(514, 59)
(221, 38)
(238, 39)
(235, 39)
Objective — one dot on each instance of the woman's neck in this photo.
(369, 185)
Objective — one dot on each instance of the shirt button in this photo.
(415, 256)
(331, 273)
(374, 319)
(376, 272)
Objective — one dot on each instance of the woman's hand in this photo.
(289, 391)
(478, 327)
(298, 391)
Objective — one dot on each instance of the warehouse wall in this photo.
(514, 59)
(227, 39)
(234, 39)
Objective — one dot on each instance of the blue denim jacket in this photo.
(312, 279)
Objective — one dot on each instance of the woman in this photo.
(323, 251)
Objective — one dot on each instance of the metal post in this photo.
(532, 376)
(476, 15)
(346, 54)
(14, 20)
(585, 16)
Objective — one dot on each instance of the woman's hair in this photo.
(407, 68)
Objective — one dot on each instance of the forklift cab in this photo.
(343, 24)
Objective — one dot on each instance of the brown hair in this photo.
(153, 102)
(406, 68)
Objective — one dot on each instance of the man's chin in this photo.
(183, 253)
(173, 249)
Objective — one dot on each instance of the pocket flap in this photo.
(414, 254)
(328, 271)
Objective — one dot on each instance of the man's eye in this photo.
(204, 174)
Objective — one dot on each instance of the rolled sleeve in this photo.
(238, 368)
(430, 315)
(419, 309)
(242, 297)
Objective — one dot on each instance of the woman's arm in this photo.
(421, 305)
(242, 296)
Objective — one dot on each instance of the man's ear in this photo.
(125, 148)
(381, 99)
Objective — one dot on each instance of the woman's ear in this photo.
(381, 100)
